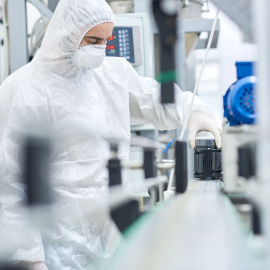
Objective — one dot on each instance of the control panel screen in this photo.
(121, 44)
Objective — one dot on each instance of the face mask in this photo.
(91, 56)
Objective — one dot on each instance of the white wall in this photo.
(220, 71)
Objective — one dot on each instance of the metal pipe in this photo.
(262, 21)
(18, 43)
(52, 4)
(160, 166)
(165, 166)
(118, 195)
(138, 165)
(166, 161)
(42, 8)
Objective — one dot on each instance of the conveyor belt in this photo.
(198, 230)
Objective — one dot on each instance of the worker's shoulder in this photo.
(17, 78)
(20, 78)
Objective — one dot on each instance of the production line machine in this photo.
(197, 227)
(200, 227)
(239, 130)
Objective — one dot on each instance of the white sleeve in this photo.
(145, 107)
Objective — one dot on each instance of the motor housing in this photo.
(240, 99)
(207, 160)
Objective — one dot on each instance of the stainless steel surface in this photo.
(262, 22)
(240, 12)
(198, 26)
(262, 8)
(137, 47)
(137, 165)
(232, 138)
(199, 230)
(52, 4)
(167, 161)
(18, 41)
(192, 11)
(192, 26)
(164, 166)
(132, 164)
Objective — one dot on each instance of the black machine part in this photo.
(167, 25)
(150, 169)
(247, 161)
(207, 160)
(36, 170)
(181, 167)
(114, 166)
(149, 164)
(124, 215)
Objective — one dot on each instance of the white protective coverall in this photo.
(54, 90)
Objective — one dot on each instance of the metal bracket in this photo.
(240, 12)
(17, 22)
(52, 4)
(42, 8)
(199, 26)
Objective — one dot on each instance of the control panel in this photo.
(125, 42)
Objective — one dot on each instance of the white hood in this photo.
(71, 21)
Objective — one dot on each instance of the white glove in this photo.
(34, 265)
(198, 121)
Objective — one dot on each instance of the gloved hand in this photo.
(34, 265)
(198, 121)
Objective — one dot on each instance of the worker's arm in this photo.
(145, 108)
(145, 104)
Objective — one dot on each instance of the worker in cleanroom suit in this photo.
(71, 86)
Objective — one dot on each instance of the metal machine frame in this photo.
(17, 15)
(17, 32)
(193, 26)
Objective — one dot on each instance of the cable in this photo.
(168, 146)
(195, 90)
(200, 76)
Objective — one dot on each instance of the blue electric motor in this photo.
(240, 101)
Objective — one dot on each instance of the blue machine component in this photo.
(239, 101)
